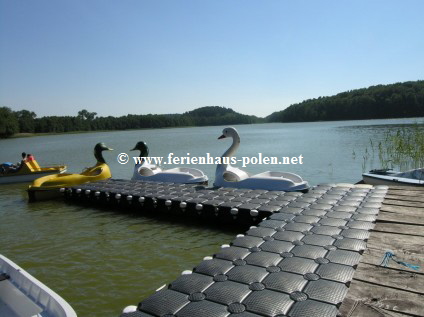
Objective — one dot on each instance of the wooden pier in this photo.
(395, 290)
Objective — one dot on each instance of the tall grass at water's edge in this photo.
(401, 149)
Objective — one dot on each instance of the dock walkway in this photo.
(395, 290)
(300, 260)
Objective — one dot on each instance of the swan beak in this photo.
(221, 137)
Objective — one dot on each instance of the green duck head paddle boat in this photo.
(48, 187)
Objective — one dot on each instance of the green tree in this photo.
(26, 120)
(9, 124)
(85, 115)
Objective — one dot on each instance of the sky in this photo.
(170, 56)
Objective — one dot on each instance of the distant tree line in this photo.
(398, 100)
(24, 121)
(376, 102)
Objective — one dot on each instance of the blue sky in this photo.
(171, 56)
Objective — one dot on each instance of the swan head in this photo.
(229, 132)
(142, 147)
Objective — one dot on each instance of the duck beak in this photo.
(133, 149)
(221, 137)
(109, 149)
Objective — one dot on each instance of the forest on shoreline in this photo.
(399, 100)
(26, 122)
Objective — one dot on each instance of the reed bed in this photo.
(400, 149)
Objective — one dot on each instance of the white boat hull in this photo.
(180, 175)
(22, 295)
(9, 179)
(376, 179)
(229, 176)
(267, 184)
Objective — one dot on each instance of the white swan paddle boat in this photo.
(229, 176)
(22, 295)
(413, 177)
(146, 171)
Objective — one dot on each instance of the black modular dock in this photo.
(298, 261)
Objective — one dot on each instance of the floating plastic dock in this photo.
(298, 261)
(244, 206)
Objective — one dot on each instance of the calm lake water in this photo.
(101, 261)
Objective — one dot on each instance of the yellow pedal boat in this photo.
(28, 171)
(48, 187)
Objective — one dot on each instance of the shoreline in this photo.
(29, 135)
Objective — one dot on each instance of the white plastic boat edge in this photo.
(49, 302)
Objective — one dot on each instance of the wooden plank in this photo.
(384, 216)
(405, 203)
(411, 188)
(378, 297)
(395, 290)
(416, 198)
(375, 256)
(389, 241)
(409, 249)
(412, 211)
(399, 228)
(388, 277)
(360, 308)
(405, 193)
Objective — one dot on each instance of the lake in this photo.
(101, 261)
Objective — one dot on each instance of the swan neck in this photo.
(233, 148)
(225, 163)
